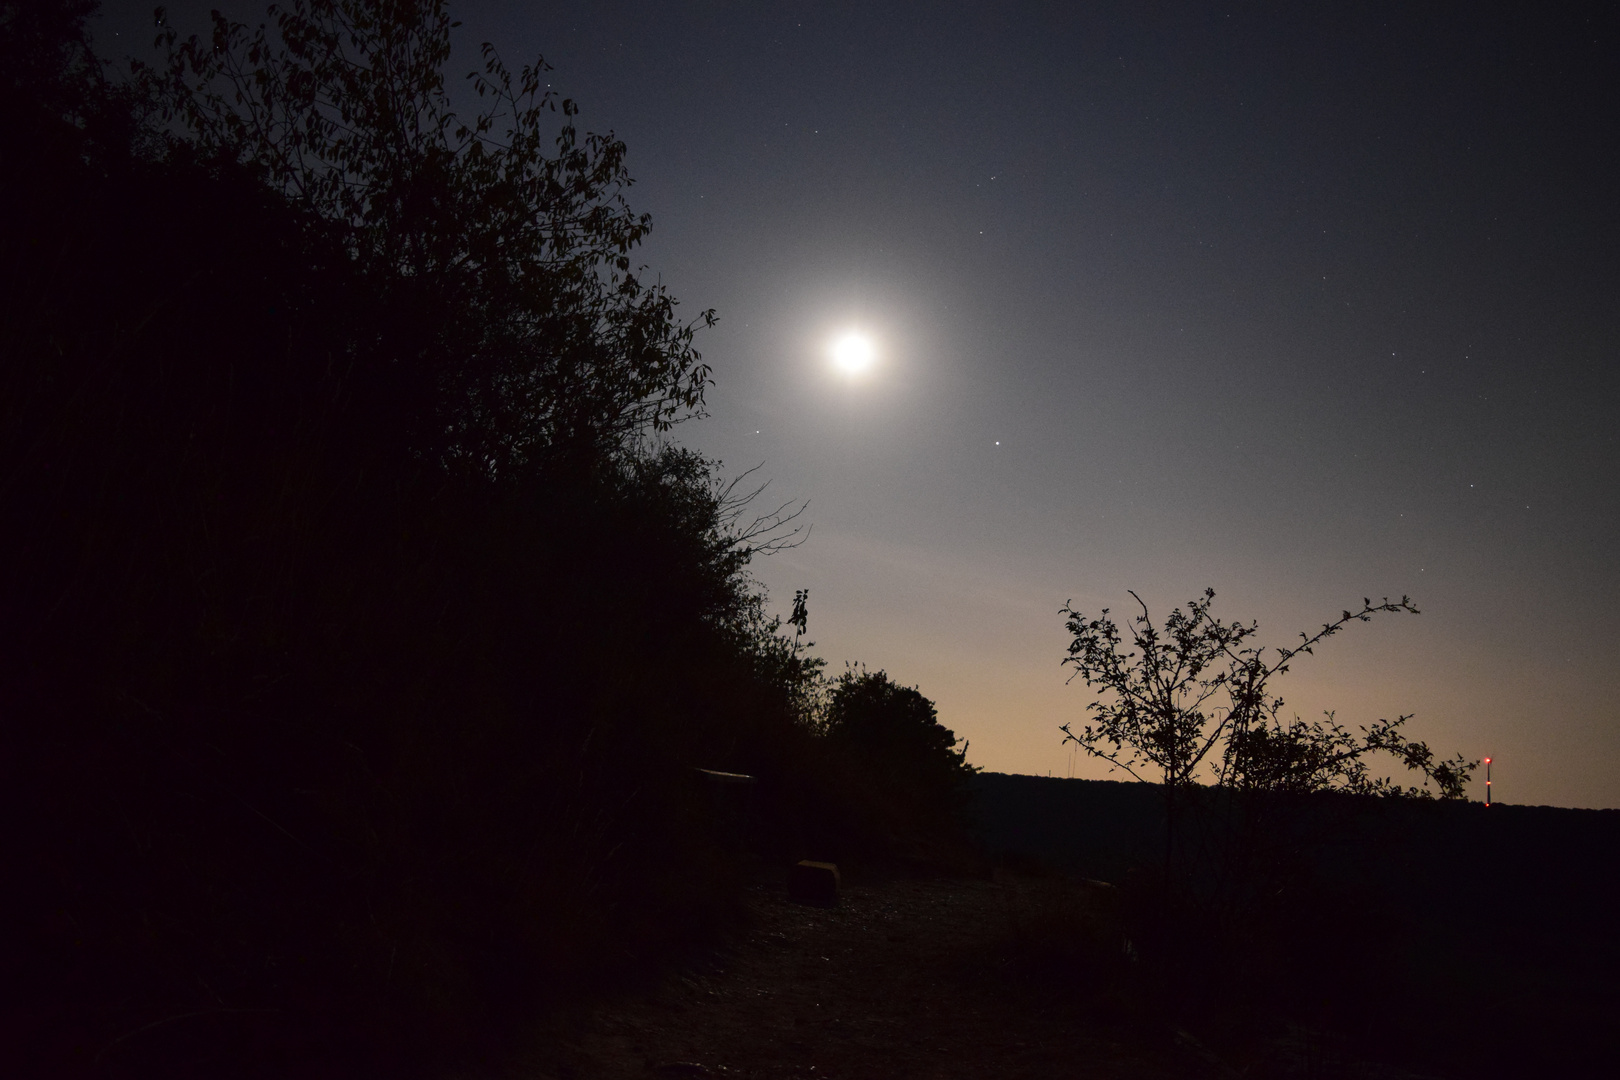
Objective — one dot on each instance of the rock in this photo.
(814, 882)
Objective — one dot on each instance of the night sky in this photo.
(1306, 305)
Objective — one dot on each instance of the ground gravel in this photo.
(904, 977)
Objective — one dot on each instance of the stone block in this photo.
(814, 882)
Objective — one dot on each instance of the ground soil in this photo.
(905, 977)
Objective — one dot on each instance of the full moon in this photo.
(853, 352)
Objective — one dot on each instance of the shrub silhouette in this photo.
(899, 768)
(1193, 700)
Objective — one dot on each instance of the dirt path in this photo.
(900, 980)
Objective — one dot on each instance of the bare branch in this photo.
(762, 535)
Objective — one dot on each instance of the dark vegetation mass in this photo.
(359, 639)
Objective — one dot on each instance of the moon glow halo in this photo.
(853, 353)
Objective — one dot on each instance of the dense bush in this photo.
(903, 780)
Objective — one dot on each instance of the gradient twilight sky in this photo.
(1303, 302)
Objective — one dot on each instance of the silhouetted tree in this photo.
(510, 316)
(912, 773)
(1192, 700)
(1258, 813)
(49, 69)
(890, 725)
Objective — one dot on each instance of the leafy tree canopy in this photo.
(890, 725)
(507, 310)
